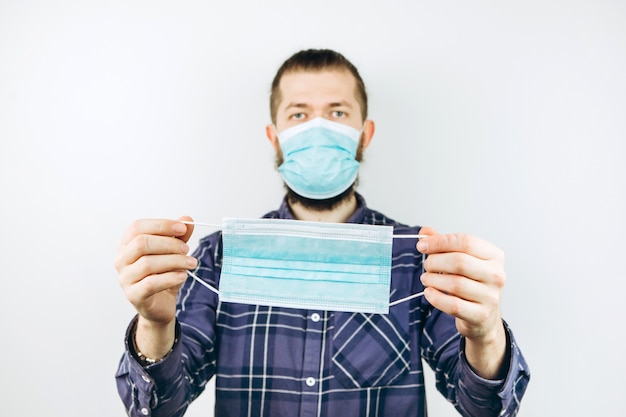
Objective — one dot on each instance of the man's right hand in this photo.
(152, 262)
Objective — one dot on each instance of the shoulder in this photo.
(274, 214)
(378, 218)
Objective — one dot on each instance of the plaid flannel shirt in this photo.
(271, 361)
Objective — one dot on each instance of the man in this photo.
(277, 361)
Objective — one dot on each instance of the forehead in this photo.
(317, 87)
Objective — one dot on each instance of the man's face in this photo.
(330, 94)
(306, 95)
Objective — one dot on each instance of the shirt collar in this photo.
(284, 212)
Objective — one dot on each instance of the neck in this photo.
(339, 214)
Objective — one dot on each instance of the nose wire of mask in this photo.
(288, 263)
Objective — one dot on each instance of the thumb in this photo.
(422, 245)
(190, 227)
(428, 231)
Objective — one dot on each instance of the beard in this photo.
(319, 205)
(327, 204)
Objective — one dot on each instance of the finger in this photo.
(143, 245)
(459, 242)
(154, 265)
(458, 263)
(469, 311)
(461, 287)
(139, 292)
(160, 227)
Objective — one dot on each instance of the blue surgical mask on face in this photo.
(319, 158)
(310, 265)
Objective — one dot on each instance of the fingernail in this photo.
(179, 228)
(184, 248)
(422, 246)
(191, 261)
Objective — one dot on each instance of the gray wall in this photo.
(503, 119)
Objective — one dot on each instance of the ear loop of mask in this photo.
(217, 292)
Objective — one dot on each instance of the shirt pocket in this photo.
(371, 350)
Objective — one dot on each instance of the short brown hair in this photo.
(317, 60)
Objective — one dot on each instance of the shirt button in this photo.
(145, 411)
(315, 317)
(310, 381)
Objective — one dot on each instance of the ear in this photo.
(270, 132)
(368, 133)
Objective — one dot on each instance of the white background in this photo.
(505, 119)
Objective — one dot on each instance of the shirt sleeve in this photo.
(471, 394)
(167, 387)
(154, 390)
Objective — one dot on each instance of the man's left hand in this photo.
(464, 277)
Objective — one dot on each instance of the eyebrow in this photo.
(342, 103)
(297, 106)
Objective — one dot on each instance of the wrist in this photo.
(487, 354)
(490, 337)
(152, 342)
(145, 360)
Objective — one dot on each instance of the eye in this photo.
(338, 114)
(297, 116)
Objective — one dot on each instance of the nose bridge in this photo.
(321, 104)
(318, 110)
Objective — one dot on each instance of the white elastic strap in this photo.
(210, 287)
(219, 226)
(215, 226)
(410, 297)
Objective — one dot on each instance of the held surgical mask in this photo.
(309, 265)
(319, 158)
